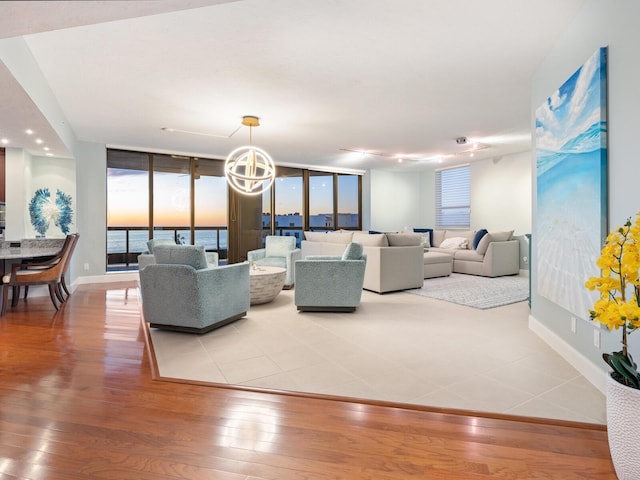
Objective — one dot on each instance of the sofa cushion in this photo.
(455, 243)
(404, 239)
(192, 255)
(493, 237)
(315, 236)
(503, 236)
(371, 240)
(353, 251)
(339, 237)
(469, 255)
(476, 240)
(272, 262)
(483, 244)
(437, 237)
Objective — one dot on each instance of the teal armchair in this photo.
(181, 292)
(145, 259)
(278, 251)
(330, 283)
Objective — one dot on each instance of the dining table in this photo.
(8, 254)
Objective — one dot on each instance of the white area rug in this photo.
(474, 291)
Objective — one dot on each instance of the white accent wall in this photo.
(395, 200)
(501, 193)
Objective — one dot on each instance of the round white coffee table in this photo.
(265, 283)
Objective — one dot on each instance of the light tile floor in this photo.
(396, 347)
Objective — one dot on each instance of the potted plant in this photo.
(619, 308)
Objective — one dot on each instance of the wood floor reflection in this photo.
(78, 401)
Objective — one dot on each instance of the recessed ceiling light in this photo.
(4, 141)
(28, 131)
(38, 141)
(49, 154)
(46, 149)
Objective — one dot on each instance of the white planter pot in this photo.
(623, 427)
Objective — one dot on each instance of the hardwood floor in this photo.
(77, 401)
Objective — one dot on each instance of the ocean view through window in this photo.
(186, 199)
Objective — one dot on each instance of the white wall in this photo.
(91, 173)
(17, 186)
(501, 193)
(598, 24)
(395, 200)
(500, 196)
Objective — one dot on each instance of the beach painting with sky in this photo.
(571, 176)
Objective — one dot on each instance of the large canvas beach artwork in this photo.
(571, 175)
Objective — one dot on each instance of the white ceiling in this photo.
(394, 77)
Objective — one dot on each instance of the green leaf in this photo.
(625, 367)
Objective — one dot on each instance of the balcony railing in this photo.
(124, 244)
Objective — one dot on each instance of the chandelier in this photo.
(249, 170)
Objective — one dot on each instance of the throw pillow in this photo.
(426, 230)
(455, 243)
(192, 255)
(479, 234)
(353, 251)
(425, 240)
(437, 237)
(403, 239)
(468, 234)
(151, 244)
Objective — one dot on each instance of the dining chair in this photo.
(49, 272)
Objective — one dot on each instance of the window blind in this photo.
(453, 197)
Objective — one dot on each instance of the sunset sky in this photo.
(127, 198)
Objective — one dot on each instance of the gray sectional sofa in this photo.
(496, 254)
(394, 261)
(400, 261)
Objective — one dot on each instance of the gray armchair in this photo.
(280, 252)
(329, 283)
(145, 259)
(182, 292)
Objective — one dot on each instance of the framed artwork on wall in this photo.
(571, 175)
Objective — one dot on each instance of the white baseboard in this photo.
(115, 277)
(587, 369)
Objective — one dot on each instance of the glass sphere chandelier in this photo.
(249, 170)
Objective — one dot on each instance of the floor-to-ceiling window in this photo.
(127, 207)
(172, 198)
(349, 198)
(288, 191)
(184, 199)
(321, 204)
(211, 206)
